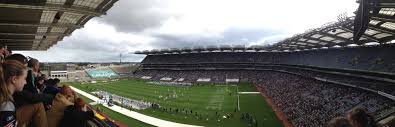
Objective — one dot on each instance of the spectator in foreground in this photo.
(63, 99)
(77, 115)
(46, 78)
(40, 84)
(28, 96)
(7, 52)
(33, 66)
(360, 118)
(18, 57)
(2, 51)
(339, 122)
(14, 74)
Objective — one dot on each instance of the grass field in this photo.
(208, 103)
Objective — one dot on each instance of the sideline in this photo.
(135, 115)
(249, 93)
(280, 115)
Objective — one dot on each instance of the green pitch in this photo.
(206, 105)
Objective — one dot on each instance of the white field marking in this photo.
(217, 100)
(93, 103)
(249, 92)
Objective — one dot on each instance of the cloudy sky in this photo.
(135, 25)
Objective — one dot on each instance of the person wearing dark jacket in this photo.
(52, 87)
(46, 78)
(40, 84)
(76, 115)
(33, 68)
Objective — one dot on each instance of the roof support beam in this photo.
(35, 34)
(43, 25)
(18, 44)
(383, 19)
(23, 39)
(386, 5)
(20, 47)
(381, 29)
(363, 35)
(320, 40)
(105, 6)
(316, 45)
(52, 7)
(69, 2)
(334, 36)
(341, 33)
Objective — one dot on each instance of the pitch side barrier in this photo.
(348, 71)
(355, 86)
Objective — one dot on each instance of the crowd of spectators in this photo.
(377, 58)
(249, 72)
(308, 102)
(29, 98)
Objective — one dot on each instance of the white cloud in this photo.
(95, 42)
(269, 39)
(215, 16)
(147, 24)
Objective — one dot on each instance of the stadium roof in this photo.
(377, 26)
(380, 28)
(39, 24)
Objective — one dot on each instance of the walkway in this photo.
(135, 115)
